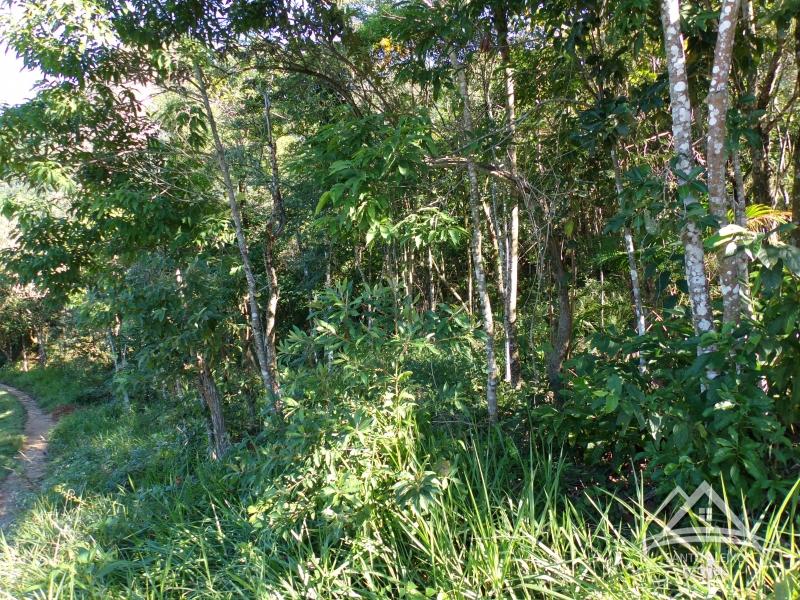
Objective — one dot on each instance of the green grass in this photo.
(55, 385)
(12, 424)
(354, 498)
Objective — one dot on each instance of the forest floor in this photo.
(32, 456)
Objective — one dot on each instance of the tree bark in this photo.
(210, 394)
(740, 218)
(740, 195)
(476, 246)
(718, 98)
(796, 155)
(512, 230)
(41, 344)
(450, 288)
(431, 280)
(274, 230)
(694, 255)
(252, 294)
(630, 252)
(499, 236)
(759, 153)
(562, 332)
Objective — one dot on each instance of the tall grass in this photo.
(350, 503)
(12, 423)
(57, 384)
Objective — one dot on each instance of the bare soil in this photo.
(32, 457)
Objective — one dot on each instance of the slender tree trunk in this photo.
(270, 317)
(431, 280)
(450, 288)
(499, 235)
(602, 299)
(796, 150)
(274, 230)
(740, 218)
(24, 355)
(41, 344)
(562, 332)
(470, 270)
(740, 195)
(477, 250)
(512, 347)
(123, 364)
(252, 294)
(118, 354)
(209, 392)
(694, 255)
(630, 252)
(718, 98)
(760, 173)
(760, 151)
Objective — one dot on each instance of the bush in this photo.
(691, 417)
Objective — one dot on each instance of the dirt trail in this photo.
(32, 457)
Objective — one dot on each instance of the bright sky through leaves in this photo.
(16, 82)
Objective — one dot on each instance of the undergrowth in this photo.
(360, 493)
(59, 384)
(12, 423)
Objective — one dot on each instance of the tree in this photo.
(694, 255)
(477, 244)
(716, 153)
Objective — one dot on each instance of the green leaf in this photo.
(612, 402)
(323, 200)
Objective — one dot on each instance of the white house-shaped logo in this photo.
(694, 521)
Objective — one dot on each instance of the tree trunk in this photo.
(796, 155)
(694, 255)
(740, 218)
(759, 153)
(210, 394)
(252, 294)
(499, 235)
(477, 250)
(739, 193)
(119, 357)
(630, 252)
(274, 230)
(715, 153)
(512, 230)
(123, 364)
(562, 332)
(270, 318)
(760, 173)
(451, 289)
(41, 343)
(431, 280)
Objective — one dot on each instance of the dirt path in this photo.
(32, 457)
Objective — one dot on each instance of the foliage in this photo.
(257, 245)
(356, 497)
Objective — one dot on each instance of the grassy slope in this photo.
(12, 423)
(341, 503)
(52, 386)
